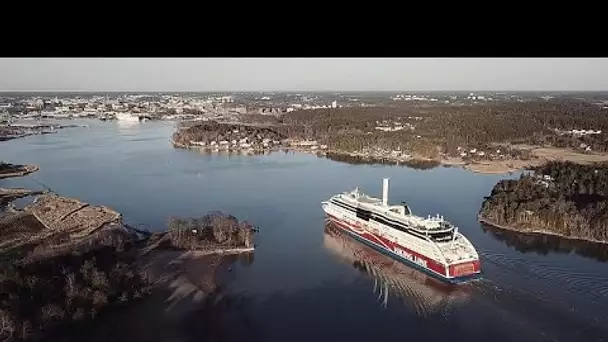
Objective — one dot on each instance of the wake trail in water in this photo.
(543, 301)
(535, 313)
(592, 286)
(580, 310)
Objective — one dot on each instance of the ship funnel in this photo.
(385, 191)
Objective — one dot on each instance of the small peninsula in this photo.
(8, 170)
(64, 262)
(12, 131)
(559, 198)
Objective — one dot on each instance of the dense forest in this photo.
(559, 197)
(39, 296)
(430, 130)
(215, 132)
(477, 132)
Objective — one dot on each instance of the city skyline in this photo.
(300, 74)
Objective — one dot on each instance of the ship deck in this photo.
(453, 252)
(370, 200)
(417, 223)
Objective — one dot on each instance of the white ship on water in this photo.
(419, 291)
(126, 117)
(431, 244)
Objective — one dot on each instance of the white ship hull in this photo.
(453, 260)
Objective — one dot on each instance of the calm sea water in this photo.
(308, 284)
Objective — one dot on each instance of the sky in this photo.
(303, 74)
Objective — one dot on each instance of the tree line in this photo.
(572, 201)
(213, 230)
(214, 131)
(418, 164)
(444, 127)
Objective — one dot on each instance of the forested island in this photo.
(213, 135)
(489, 138)
(64, 262)
(216, 231)
(558, 198)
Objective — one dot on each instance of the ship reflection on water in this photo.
(420, 292)
(546, 244)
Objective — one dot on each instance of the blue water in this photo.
(296, 288)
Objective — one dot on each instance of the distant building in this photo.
(4, 116)
(241, 109)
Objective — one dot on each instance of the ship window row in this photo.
(367, 215)
(377, 217)
(380, 219)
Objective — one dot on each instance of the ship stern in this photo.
(464, 271)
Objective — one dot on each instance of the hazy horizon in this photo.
(117, 75)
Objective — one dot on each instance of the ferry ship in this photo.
(431, 244)
(127, 117)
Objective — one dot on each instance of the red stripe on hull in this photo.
(431, 264)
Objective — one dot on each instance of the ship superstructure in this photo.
(431, 244)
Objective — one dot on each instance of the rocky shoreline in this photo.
(489, 167)
(489, 222)
(421, 162)
(216, 137)
(417, 162)
(502, 166)
(16, 131)
(7, 196)
(228, 149)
